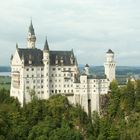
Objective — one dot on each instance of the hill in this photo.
(5, 69)
(120, 70)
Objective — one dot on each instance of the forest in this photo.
(57, 119)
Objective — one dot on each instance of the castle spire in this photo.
(31, 29)
(16, 46)
(110, 65)
(31, 37)
(46, 46)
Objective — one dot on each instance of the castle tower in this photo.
(86, 69)
(31, 39)
(110, 65)
(46, 62)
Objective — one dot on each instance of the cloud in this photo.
(89, 27)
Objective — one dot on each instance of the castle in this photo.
(49, 72)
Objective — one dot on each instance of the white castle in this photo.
(50, 72)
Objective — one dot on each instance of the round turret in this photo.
(31, 37)
(110, 65)
(109, 56)
(86, 69)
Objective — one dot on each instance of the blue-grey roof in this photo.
(110, 51)
(66, 56)
(31, 29)
(36, 57)
(96, 77)
(46, 46)
(86, 65)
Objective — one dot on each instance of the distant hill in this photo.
(5, 69)
(120, 70)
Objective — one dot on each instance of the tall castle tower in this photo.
(110, 65)
(46, 61)
(31, 37)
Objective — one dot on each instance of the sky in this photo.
(89, 27)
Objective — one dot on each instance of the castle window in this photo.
(59, 80)
(41, 75)
(27, 69)
(52, 85)
(42, 92)
(52, 75)
(67, 85)
(53, 69)
(52, 91)
(27, 87)
(41, 86)
(55, 74)
(55, 85)
(38, 92)
(27, 82)
(59, 68)
(34, 87)
(32, 69)
(32, 75)
(41, 69)
(72, 91)
(41, 81)
(60, 75)
(27, 75)
(55, 91)
(66, 80)
(64, 69)
(59, 91)
(64, 91)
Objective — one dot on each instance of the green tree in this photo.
(129, 97)
(114, 100)
(137, 96)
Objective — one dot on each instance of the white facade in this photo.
(110, 65)
(56, 72)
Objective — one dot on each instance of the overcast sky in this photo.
(89, 27)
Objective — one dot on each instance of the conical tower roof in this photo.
(31, 29)
(110, 51)
(46, 46)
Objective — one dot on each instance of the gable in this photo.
(16, 60)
